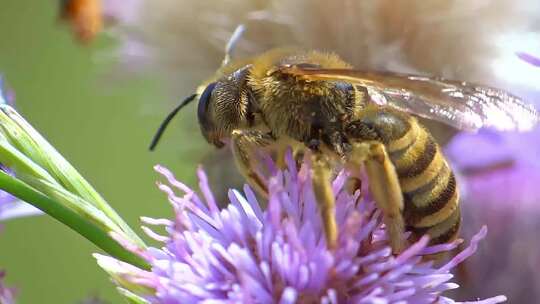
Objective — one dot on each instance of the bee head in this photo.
(225, 105)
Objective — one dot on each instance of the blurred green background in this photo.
(103, 126)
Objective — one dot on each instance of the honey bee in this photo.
(316, 101)
(83, 16)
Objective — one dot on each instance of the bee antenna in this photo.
(231, 44)
(168, 119)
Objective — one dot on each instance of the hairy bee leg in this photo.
(322, 187)
(280, 157)
(385, 188)
(244, 143)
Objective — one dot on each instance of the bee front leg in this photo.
(322, 187)
(384, 186)
(244, 144)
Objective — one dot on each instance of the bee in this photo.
(83, 16)
(361, 119)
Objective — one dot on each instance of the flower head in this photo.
(500, 174)
(491, 160)
(245, 254)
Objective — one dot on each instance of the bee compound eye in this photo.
(204, 104)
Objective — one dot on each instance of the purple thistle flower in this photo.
(242, 254)
(500, 174)
(490, 160)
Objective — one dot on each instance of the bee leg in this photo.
(384, 186)
(244, 144)
(231, 44)
(322, 187)
(281, 152)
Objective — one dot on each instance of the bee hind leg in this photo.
(384, 186)
(244, 144)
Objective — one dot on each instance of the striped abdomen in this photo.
(430, 193)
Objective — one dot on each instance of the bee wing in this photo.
(462, 105)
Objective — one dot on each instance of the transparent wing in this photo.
(462, 105)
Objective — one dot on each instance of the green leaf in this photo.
(73, 202)
(13, 158)
(24, 148)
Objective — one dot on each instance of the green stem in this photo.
(44, 154)
(69, 218)
(14, 159)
